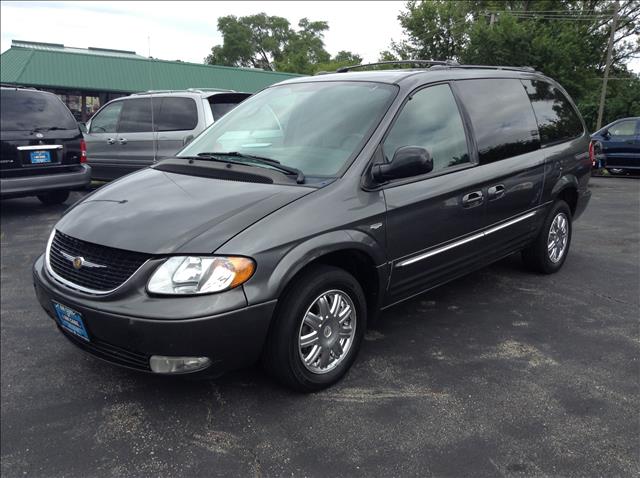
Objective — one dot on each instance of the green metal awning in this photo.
(56, 66)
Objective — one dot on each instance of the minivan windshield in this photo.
(315, 127)
(25, 110)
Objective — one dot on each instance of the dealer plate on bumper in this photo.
(71, 321)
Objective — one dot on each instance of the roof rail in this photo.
(345, 69)
(437, 63)
(490, 67)
(190, 90)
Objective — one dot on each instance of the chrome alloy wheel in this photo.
(327, 331)
(558, 237)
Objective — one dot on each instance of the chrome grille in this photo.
(106, 268)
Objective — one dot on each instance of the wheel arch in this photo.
(351, 250)
(567, 189)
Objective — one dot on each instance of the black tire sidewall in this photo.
(54, 197)
(548, 265)
(296, 302)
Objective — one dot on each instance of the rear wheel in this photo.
(318, 329)
(54, 197)
(549, 251)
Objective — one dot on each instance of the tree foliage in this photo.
(565, 39)
(270, 43)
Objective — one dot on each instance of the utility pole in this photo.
(603, 95)
(492, 20)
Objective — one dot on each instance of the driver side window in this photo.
(431, 120)
(106, 121)
(624, 128)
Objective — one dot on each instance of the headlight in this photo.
(200, 275)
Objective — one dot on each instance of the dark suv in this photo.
(42, 151)
(284, 228)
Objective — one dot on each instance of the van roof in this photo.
(433, 73)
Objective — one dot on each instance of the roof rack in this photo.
(437, 63)
(345, 69)
(190, 90)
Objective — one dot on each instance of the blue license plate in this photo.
(39, 157)
(71, 321)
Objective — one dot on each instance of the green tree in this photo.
(270, 43)
(566, 39)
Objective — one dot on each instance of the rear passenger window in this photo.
(175, 114)
(135, 116)
(557, 119)
(431, 120)
(502, 119)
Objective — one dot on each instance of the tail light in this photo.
(592, 154)
(83, 151)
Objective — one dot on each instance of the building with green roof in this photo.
(86, 78)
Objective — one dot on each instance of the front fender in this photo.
(274, 273)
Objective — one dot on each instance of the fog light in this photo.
(163, 364)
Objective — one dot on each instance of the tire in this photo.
(54, 197)
(538, 256)
(297, 317)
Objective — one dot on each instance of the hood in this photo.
(158, 212)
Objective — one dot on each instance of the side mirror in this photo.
(82, 126)
(606, 134)
(407, 161)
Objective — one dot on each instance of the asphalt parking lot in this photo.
(501, 373)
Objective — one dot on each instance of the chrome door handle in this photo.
(111, 140)
(495, 192)
(472, 199)
(122, 140)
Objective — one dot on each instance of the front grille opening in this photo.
(117, 264)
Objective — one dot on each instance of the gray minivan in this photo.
(281, 231)
(133, 132)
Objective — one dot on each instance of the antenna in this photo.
(154, 133)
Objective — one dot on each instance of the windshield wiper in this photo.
(274, 163)
(45, 128)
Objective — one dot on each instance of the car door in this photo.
(100, 138)
(135, 140)
(621, 147)
(176, 123)
(507, 138)
(433, 221)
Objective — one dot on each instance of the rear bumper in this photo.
(32, 185)
(231, 340)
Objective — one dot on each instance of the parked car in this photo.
(281, 231)
(42, 152)
(135, 131)
(616, 147)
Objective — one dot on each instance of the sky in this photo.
(187, 30)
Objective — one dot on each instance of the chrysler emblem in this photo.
(77, 262)
(39, 135)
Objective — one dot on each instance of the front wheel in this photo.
(549, 251)
(54, 197)
(317, 330)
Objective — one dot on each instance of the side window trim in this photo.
(452, 169)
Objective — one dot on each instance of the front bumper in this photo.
(232, 339)
(42, 183)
